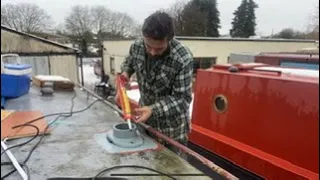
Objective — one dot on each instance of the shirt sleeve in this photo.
(179, 101)
(127, 65)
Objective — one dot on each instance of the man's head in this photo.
(157, 31)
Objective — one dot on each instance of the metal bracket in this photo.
(14, 161)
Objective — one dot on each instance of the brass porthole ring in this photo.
(220, 103)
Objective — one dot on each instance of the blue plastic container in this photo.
(16, 81)
(14, 86)
(17, 66)
(18, 69)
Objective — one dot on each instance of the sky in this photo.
(272, 15)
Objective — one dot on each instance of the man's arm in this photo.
(179, 101)
(127, 66)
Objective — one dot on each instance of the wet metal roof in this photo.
(71, 149)
(5, 28)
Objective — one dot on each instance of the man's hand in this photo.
(144, 112)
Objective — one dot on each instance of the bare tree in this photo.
(316, 22)
(313, 27)
(316, 16)
(176, 12)
(122, 24)
(25, 17)
(90, 25)
(100, 18)
(79, 21)
(136, 31)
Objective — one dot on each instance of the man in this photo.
(164, 69)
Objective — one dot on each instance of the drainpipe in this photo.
(102, 62)
(81, 68)
(49, 64)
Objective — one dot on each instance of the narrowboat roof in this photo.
(71, 150)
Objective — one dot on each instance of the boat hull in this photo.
(266, 123)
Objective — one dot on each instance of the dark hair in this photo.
(158, 26)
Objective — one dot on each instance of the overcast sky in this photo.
(272, 15)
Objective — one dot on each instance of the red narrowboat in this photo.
(255, 120)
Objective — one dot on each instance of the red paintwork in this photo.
(271, 127)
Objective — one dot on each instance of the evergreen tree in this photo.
(213, 19)
(238, 20)
(244, 21)
(251, 19)
(193, 19)
(201, 18)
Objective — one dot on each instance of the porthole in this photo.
(220, 103)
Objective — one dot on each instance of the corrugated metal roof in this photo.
(38, 38)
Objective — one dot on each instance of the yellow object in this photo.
(127, 109)
(5, 114)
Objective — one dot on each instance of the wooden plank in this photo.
(21, 117)
(5, 114)
(59, 83)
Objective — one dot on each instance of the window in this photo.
(300, 65)
(112, 66)
(203, 63)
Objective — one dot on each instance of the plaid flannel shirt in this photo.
(166, 88)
